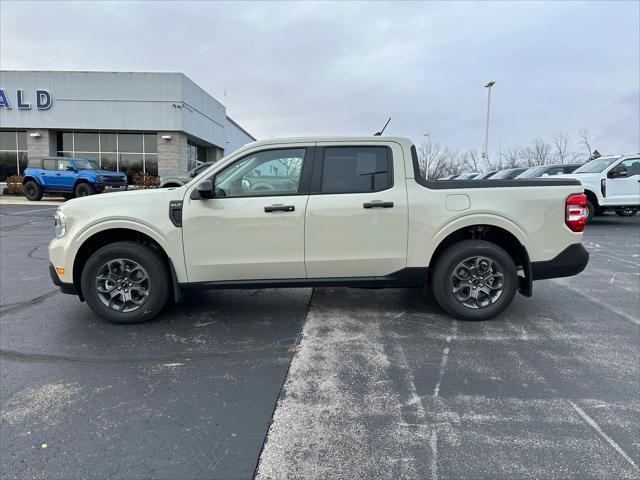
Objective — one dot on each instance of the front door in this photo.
(253, 228)
(357, 213)
(625, 190)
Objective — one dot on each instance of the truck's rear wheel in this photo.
(84, 189)
(125, 282)
(33, 191)
(474, 280)
(591, 211)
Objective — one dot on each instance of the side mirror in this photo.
(71, 168)
(205, 189)
(619, 171)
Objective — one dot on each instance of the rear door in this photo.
(625, 190)
(357, 216)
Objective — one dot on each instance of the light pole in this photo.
(485, 154)
(426, 172)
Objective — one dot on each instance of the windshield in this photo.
(532, 172)
(82, 164)
(502, 174)
(596, 166)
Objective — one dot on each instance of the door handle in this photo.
(58, 174)
(279, 208)
(378, 205)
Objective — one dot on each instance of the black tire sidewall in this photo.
(37, 190)
(450, 259)
(145, 256)
(592, 211)
(84, 187)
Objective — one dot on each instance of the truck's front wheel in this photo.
(474, 280)
(125, 282)
(33, 191)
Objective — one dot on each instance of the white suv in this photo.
(611, 183)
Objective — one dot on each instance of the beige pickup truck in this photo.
(327, 212)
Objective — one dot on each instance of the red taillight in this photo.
(576, 212)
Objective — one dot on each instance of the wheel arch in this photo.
(497, 235)
(32, 177)
(592, 197)
(105, 236)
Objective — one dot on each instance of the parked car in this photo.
(468, 176)
(179, 179)
(549, 170)
(611, 183)
(348, 216)
(508, 174)
(485, 176)
(69, 176)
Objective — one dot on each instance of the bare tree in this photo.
(511, 158)
(561, 144)
(585, 140)
(539, 153)
(471, 161)
(441, 160)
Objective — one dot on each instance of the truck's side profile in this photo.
(69, 176)
(353, 212)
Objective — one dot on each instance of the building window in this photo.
(13, 153)
(196, 155)
(118, 151)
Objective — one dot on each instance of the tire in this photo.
(626, 212)
(591, 211)
(455, 260)
(68, 196)
(145, 269)
(33, 191)
(84, 190)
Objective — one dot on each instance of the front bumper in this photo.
(68, 288)
(571, 261)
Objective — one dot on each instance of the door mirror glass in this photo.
(205, 189)
(618, 171)
(70, 168)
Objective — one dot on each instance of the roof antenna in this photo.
(377, 134)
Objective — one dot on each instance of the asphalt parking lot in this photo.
(329, 383)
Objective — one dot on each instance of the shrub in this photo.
(14, 185)
(144, 180)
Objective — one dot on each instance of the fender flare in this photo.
(34, 178)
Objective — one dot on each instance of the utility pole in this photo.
(485, 154)
(426, 172)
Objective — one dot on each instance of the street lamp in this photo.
(485, 154)
(426, 172)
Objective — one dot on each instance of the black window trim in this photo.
(318, 168)
(305, 175)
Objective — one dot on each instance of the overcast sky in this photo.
(294, 69)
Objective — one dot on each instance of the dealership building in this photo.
(154, 122)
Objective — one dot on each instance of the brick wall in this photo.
(42, 146)
(172, 154)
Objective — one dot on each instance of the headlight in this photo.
(60, 222)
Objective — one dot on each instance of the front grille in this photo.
(114, 181)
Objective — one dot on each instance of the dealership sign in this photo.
(44, 100)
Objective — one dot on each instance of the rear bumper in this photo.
(571, 261)
(68, 288)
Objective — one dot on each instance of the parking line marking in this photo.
(592, 423)
(31, 211)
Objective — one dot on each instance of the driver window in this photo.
(633, 166)
(265, 173)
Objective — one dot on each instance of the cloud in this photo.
(343, 68)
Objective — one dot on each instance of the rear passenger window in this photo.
(356, 169)
(50, 164)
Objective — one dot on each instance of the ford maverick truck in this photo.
(325, 212)
(69, 176)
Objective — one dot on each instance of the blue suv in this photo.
(70, 176)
